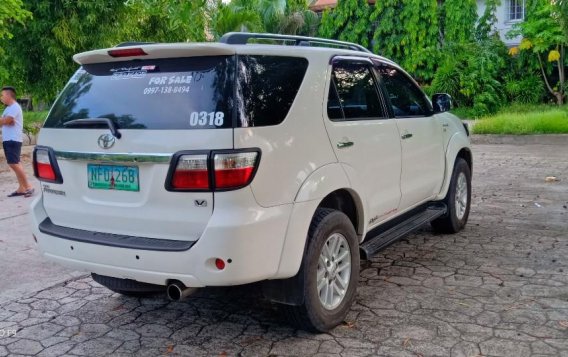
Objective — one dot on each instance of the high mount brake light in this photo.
(127, 52)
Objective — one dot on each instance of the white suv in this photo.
(168, 167)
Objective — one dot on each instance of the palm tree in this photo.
(233, 17)
(275, 16)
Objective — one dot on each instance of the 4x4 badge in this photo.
(106, 141)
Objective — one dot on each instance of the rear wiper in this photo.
(89, 122)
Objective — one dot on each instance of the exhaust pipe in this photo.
(176, 291)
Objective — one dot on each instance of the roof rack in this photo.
(133, 43)
(242, 38)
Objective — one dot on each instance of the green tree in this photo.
(407, 32)
(545, 34)
(290, 17)
(11, 11)
(172, 20)
(349, 21)
(389, 32)
(458, 20)
(235, 17)
(486, 22)
(39, 56)
(472, 73)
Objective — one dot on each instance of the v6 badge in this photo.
(200, 203)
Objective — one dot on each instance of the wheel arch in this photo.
(346, 200)
(327, 187)
(465, 153)
(458, 147)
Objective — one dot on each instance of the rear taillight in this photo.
(191, 173)
(216, 171)
(234, 170)
(45, 165)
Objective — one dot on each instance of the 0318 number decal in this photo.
(207, 119)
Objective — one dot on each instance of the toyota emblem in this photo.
(106, 141)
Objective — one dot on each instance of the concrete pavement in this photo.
(499, 288)
(22, 270)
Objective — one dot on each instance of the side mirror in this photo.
(442, 102)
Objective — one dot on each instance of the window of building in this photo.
(516, 10)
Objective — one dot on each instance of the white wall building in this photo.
(508, 13)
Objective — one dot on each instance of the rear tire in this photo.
(458, 200)
(128, 287)
(330, 271)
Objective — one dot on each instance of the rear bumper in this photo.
(249, 236)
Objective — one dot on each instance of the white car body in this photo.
(259, 230)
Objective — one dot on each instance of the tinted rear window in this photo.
(267, 87)
(179, 93)
(183, 93)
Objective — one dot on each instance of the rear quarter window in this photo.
(267, 87)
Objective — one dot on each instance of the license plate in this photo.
(113, 177)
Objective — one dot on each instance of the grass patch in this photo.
(463, 113)
(514, 108)
(546, 120)
(35, 117)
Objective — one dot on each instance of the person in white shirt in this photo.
(12, 123)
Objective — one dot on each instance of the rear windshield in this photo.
(182, 93)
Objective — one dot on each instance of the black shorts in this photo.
(12, 150)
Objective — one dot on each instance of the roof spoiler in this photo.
(133, 43)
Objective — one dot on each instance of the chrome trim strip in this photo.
(138, 158)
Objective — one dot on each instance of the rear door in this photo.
(421, 137)
(365, 140)
(160, 106)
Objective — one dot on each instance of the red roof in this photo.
(320, 5)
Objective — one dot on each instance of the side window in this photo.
(334, 111)
(353, 93)
(406, 98)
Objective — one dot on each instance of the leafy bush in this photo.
(528, 90)
(472, 74)
(463, 113)
(35, 117)
(33, 121)
(447, 80)
(428, 90)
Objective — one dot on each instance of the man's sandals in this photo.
(27, 193)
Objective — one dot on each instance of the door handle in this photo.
(406, 136)
(445, 125)
(344, 144)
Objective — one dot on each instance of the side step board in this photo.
(372, 245)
